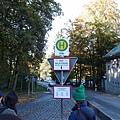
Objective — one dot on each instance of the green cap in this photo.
(79, 93)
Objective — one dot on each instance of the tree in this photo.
(94, 34)
(22, 36)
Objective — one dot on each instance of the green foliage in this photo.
(92, 35)
(23, 27)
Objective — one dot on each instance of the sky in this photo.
(71, 9)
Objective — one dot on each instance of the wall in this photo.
(113, 76)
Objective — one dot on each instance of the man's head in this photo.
(79, 93)
(11, 99)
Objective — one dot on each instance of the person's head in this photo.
(79, 96)
(79, 93)
(11, 99)
(9, 117)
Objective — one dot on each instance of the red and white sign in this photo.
(62, 92)
(61, 64)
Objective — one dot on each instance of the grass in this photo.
(24, 97)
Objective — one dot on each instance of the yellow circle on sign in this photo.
(61, 45)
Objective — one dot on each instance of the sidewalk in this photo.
(106, 107)
(45, 108)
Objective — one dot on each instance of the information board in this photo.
(61, 64)
(62, 92)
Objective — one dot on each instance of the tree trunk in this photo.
(15, 82)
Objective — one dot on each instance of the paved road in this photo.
(109, 104)
(45, 108)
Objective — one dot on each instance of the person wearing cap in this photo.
(81, 111)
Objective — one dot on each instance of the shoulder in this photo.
(9, 117)
(86, 108)
(89, 112)
(72, 116)
(2, 108)
(9, 111)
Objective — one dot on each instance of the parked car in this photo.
(74, 82)
(42, 80)
(52, 83)
(68, 83)
(83, 82)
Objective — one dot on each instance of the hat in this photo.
(0, 94)
(79, 93)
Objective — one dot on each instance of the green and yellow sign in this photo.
(62, 47)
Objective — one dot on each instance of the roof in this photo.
(114, 52)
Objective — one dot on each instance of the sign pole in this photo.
(61, 99)
(62, 49)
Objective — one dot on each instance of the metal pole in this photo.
(61, 99)
(32, 86)
(28, 88)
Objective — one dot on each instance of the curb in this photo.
(101, 112)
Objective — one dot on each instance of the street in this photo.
(107, 103)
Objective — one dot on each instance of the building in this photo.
(113, 70)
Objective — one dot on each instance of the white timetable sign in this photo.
(61, 64)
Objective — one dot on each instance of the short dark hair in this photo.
(11, 99)
(9, 117)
